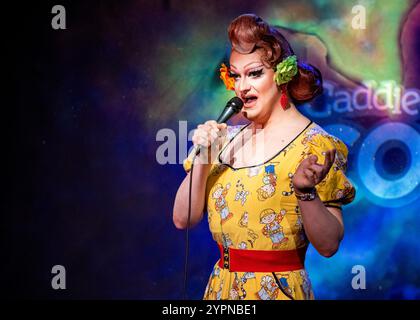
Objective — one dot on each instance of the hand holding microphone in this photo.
(209, 137)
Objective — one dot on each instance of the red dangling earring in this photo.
(284, 101)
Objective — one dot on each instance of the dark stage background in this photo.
(84, 188)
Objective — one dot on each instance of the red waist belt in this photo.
(261, 260)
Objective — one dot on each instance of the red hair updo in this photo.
(249, 32)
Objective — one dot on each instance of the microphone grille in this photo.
(236, 104)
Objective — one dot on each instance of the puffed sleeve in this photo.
(336, 189)
(230, 134)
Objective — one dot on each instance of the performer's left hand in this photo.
(309, 173)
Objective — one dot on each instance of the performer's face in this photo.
(254, 84)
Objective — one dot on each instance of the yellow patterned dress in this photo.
(254, 208)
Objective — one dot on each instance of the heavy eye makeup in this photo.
(254, 73)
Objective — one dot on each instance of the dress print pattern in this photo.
(254, 208)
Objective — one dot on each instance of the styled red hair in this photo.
(249, 32)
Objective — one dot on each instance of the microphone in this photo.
(233, 106)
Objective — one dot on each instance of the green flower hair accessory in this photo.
(285, 70)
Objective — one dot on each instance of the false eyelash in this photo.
(232, 75)
(256, 73)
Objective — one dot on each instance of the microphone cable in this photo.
(187, 242)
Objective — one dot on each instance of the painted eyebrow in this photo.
(249, 64)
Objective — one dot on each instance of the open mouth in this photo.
(250, 100)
